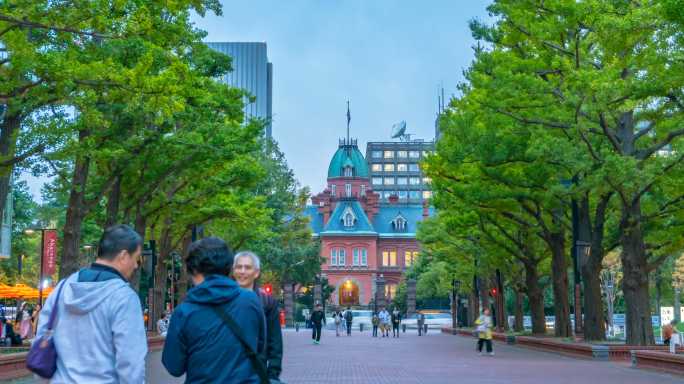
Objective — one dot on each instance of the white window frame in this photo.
(379, 179)
(355, 259)
(402, 154)
(348, 190)
(376, 154)
(414, 167)
(333, 190)
(333, 256)
(348, 172)
(402, 167)
(377, 167)
(414, 154)
(364, 257)
(342, 255)
(386, 181)
(388, 154)
(388, 167)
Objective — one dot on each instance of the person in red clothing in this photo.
(668, 331)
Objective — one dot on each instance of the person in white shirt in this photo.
(163, 325)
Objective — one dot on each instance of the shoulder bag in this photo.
(42, 357)
(257, 364)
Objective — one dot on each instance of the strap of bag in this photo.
(257, 364)
(55, 306)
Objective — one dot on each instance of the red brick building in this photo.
(361, 237)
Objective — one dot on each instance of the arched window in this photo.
(348, 220)
(399, 223)
(348, 171)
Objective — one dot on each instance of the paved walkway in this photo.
(439, 358)
(435, 359)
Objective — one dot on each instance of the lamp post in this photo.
(30, 232)
(456, 285)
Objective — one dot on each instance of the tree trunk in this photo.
(635, 277)
(535, 296)
(473, 307)
(113, 200)
(559, 271)
(76, 212)
(161, 274)
(594, 320)
(183, 281)
(484, 293)
(519, 325)
(677, 311)
(8, 141)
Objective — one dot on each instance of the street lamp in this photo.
(42, 283)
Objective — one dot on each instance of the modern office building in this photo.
(395, 169)
(253, 72)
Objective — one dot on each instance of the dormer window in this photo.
(348, 217)
(399, 223)
(348, 171)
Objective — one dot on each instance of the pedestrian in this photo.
(163, 325)
(421, 323)
(484, 332)
(376, 323)
(25, 323)
(384, 322)
(34, 316)
(337, 317)
(668, 331)
(217, 334)
(396, 320)
(317, 321)
(349, 318)
(99, 320)
(246, 271)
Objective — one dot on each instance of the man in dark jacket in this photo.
(349, 318)
(199, 343)
(246, 270)
(317, 320)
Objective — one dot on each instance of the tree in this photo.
(600, 74)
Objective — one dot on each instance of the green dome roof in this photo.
(348, 156)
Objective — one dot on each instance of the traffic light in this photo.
(268, 288)
(492, 292)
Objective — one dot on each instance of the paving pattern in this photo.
(434, 359)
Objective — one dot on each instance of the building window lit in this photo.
(402, 180)
(376, 154)
(348, 190)
(402, 167)
(376, 167)
(401, 154)
(427, 194)
(389, 180)
(410, 257)
(390, 291)
(389, 258)
(414, 167)
(377, 181)
(388, 155)
(389, 167)
(414, 154)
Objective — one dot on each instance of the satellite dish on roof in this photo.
(399, 131)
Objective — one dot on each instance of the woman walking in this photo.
(26, 324)
(484, 331)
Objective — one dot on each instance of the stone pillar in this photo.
(288, 298)
(380, 299)
(410, 297)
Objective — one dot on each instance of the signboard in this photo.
(667, 314)
(49, 252)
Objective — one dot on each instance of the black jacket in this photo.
(273, 355)
(318, 317)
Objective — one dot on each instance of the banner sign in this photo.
(49, 252)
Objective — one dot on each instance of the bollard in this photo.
(360, 327)
(403, 328)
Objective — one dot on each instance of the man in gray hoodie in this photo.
(99, 332)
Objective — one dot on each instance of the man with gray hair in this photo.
(246, 271)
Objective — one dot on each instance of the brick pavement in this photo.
(440, 358)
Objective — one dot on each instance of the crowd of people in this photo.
(226, 330)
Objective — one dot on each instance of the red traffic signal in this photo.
(493, 291)
(268, 288)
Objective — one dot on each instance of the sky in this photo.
(389, 58)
